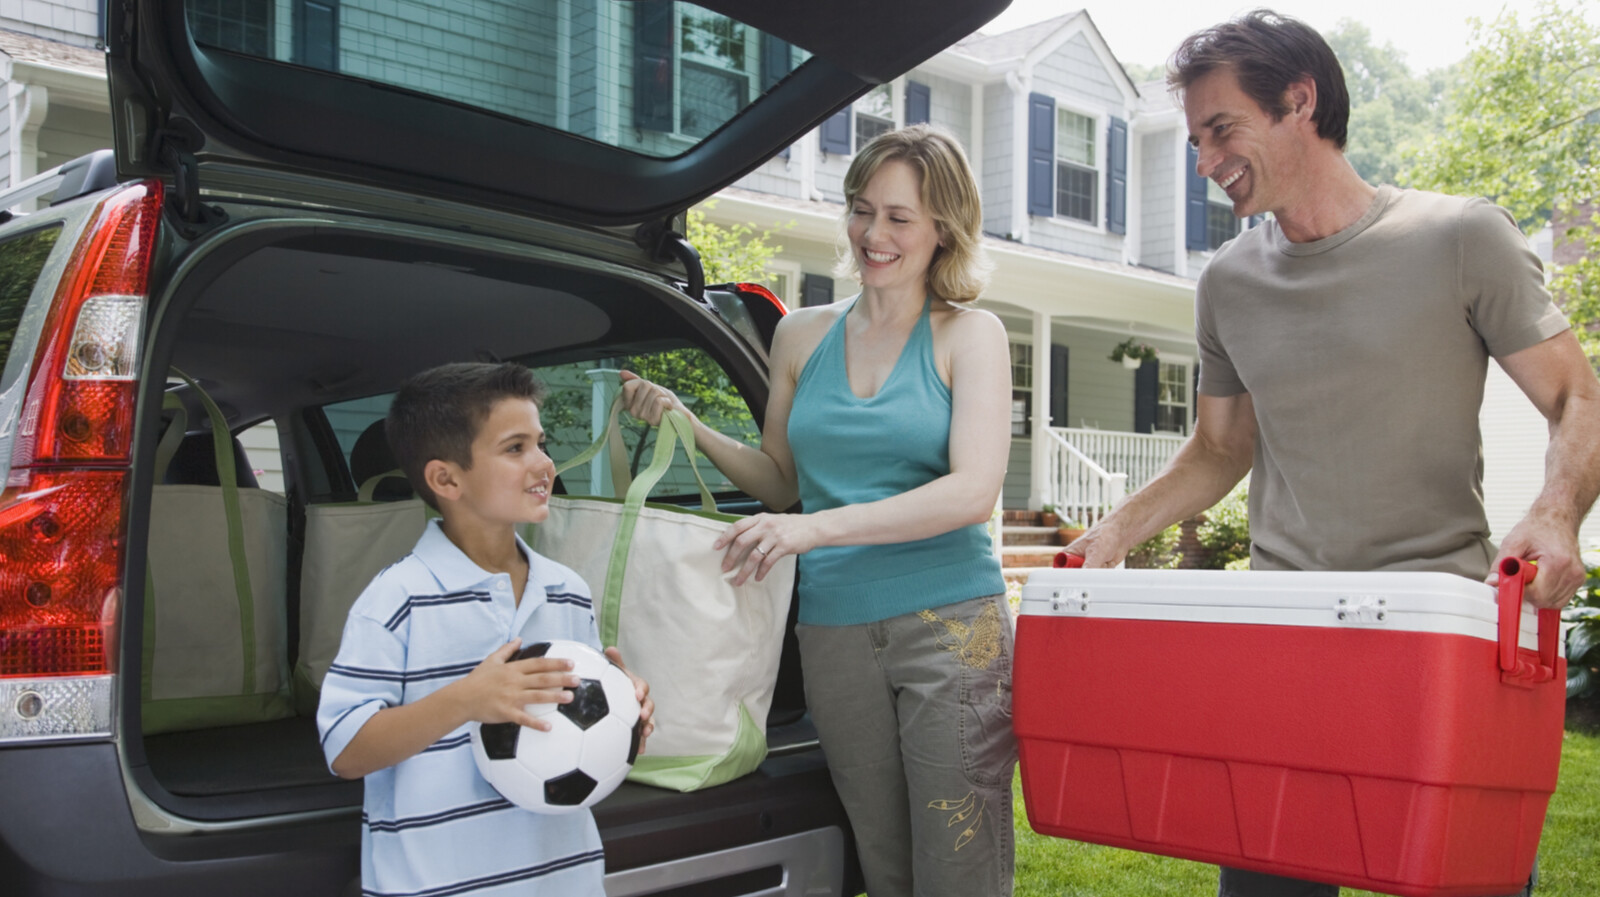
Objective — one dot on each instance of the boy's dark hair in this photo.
(438, 413)
(1267, 52)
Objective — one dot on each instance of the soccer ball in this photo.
(587, 752)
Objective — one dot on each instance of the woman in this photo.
(889, 418)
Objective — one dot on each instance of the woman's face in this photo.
(892, 236)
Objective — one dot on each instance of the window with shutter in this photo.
(919, 103)
(1117, 177)
(1077, 174)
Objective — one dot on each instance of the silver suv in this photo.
(297, 217)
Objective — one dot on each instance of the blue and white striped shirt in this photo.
(431, 825)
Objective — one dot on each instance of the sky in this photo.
(1431, 34)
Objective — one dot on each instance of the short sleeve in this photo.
(1502, 282)
(1218, 377)
(367, 676)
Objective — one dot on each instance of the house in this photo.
(1095, 218)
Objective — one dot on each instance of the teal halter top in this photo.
(850, 450)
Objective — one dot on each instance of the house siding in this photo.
(950, 105)
(1075, 76)
(998, 177)
(75, 22)
(69, 132)
(1515, 437)
(1158, 203)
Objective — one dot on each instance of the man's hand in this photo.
(499, 688)
(1099, 546)
(641, 691)
(1553, 546)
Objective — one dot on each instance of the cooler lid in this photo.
(1406, 602)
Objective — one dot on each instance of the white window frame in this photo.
(1101, 120)
(1185, 362)
(789, 290)
(856, 114)
(1217, 198)
(1026, 386)
(750, 71)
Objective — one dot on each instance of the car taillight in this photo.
(766, 294)
(61, 514)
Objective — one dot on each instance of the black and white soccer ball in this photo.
(589, 749)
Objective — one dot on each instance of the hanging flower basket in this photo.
(1132, 353)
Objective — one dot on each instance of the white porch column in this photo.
(1039, 468)
(604, 384)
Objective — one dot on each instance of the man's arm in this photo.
(1557, 377)
(1216, 456)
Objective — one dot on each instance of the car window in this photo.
(22, 259)
(260, 444)
(652, 76)
(577, 396)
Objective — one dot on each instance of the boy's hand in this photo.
(499, 689)
(641, 691)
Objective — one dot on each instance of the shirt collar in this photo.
(449, 564)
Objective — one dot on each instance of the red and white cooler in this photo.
(1389, 731)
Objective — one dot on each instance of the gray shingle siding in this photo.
(1158, 207)
(75, 22)
(951, 103)
(1075, 71)
(997, 175)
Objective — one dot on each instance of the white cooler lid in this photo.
(1409, 602)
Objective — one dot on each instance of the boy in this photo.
(412, 674)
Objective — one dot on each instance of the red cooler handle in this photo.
(1515, 574)
(1063, 559)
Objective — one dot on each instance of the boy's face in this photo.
(509, 481)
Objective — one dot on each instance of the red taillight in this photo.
(80, 401)
(764, 293)
(61, 514)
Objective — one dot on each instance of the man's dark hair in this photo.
(1267, 52)
(438, 413)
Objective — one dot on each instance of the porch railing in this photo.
(1079, 488)
(1139, 455)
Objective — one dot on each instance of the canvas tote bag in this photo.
(709, 649)
(215, 610)
(347, 544)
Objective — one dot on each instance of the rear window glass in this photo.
(577, 396)
(651, 76)
(22, 259)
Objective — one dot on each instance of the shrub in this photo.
(1225, 534)
(1159, 552)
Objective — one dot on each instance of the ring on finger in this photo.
(761, 551)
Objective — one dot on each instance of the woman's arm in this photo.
(980, 439)
(767, 473)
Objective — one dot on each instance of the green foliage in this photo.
(1391, 109)
(703, 387)
(1523, 132)
(734, 254)
(1225, 534)
(1583, 638)
(1159, 552)
(1132, 348)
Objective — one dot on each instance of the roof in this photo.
(55, 54)
(1013, 44)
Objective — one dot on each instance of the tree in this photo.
(1391, 109)
(1525, 132)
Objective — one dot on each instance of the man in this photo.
(1343, 349)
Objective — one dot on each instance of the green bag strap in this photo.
(165, 449)
(611, 439)
(370, 485)
(675, 427)
(222, 445)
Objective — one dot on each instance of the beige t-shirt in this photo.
(1364, 354)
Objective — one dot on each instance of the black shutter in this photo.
(919, 103)
(815, 289)
(316, 34)
(1058, 386)
(1117, 178)
(1041, 154)
(1195, 206)
(1145, 380)
(835, 133)
(652, 65)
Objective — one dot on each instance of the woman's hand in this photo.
(754, 544)
(647, 401)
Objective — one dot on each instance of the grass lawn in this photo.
(1569, 851)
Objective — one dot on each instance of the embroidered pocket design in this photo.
(977, 645)
(963, 810)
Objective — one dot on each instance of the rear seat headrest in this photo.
(370, 456)
(194, 463)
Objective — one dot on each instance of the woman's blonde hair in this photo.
(960, 268)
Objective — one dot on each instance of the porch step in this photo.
(1012, 556)
(1028, 535)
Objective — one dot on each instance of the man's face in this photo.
(1253, 158)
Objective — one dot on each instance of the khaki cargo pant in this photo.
(914, 714)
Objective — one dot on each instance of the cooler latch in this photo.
(1069, 601)
(1362, 609)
